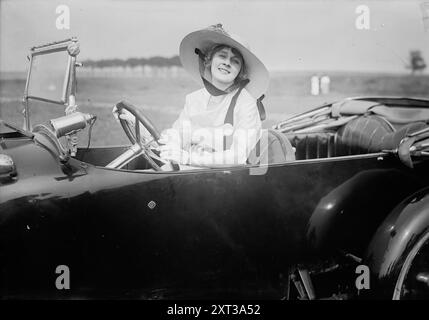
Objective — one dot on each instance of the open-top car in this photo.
(331, 194)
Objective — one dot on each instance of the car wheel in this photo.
(413, 279)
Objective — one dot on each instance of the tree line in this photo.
(156, 61)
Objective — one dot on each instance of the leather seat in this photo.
(362, 135)
(273, 147)
(370, 134)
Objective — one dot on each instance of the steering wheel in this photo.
(140, 144)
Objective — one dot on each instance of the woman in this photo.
(220, 123)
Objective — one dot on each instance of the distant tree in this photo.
(416, 61)
(134, 62)
(175, 61)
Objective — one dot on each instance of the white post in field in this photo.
(315, 86)
(325, 82)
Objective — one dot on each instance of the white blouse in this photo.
(201, 128)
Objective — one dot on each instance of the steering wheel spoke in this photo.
(138, 139)
(137, 130)
(133, 152)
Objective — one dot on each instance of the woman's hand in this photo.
(170, 136)
(170, 147)
(173, 151)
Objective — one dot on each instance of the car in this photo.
(344, 215)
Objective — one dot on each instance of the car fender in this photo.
(347, 217)
(394, 240)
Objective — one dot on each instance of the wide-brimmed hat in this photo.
(205, 39)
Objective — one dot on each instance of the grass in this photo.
(162, 99)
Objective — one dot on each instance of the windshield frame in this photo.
(68, 76)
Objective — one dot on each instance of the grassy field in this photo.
(162, 99)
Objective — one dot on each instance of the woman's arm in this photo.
(246, 134)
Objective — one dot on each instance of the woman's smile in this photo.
(224, 70)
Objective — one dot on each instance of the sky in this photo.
(285, 35)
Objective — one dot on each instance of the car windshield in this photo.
(315, 51)
(48, 76)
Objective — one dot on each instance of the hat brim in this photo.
(257, 73)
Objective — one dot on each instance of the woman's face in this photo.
(225, 68)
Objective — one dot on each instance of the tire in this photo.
(413, 279)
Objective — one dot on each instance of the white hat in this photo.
(205, 39)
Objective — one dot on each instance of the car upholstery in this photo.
(366, 134)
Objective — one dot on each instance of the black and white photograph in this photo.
(214, 150)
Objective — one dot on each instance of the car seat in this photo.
(372, 133)
(272, 147)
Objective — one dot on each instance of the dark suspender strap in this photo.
(262, 116)
(229, 118)
(261, 108)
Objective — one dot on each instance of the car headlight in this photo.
(71, 123)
